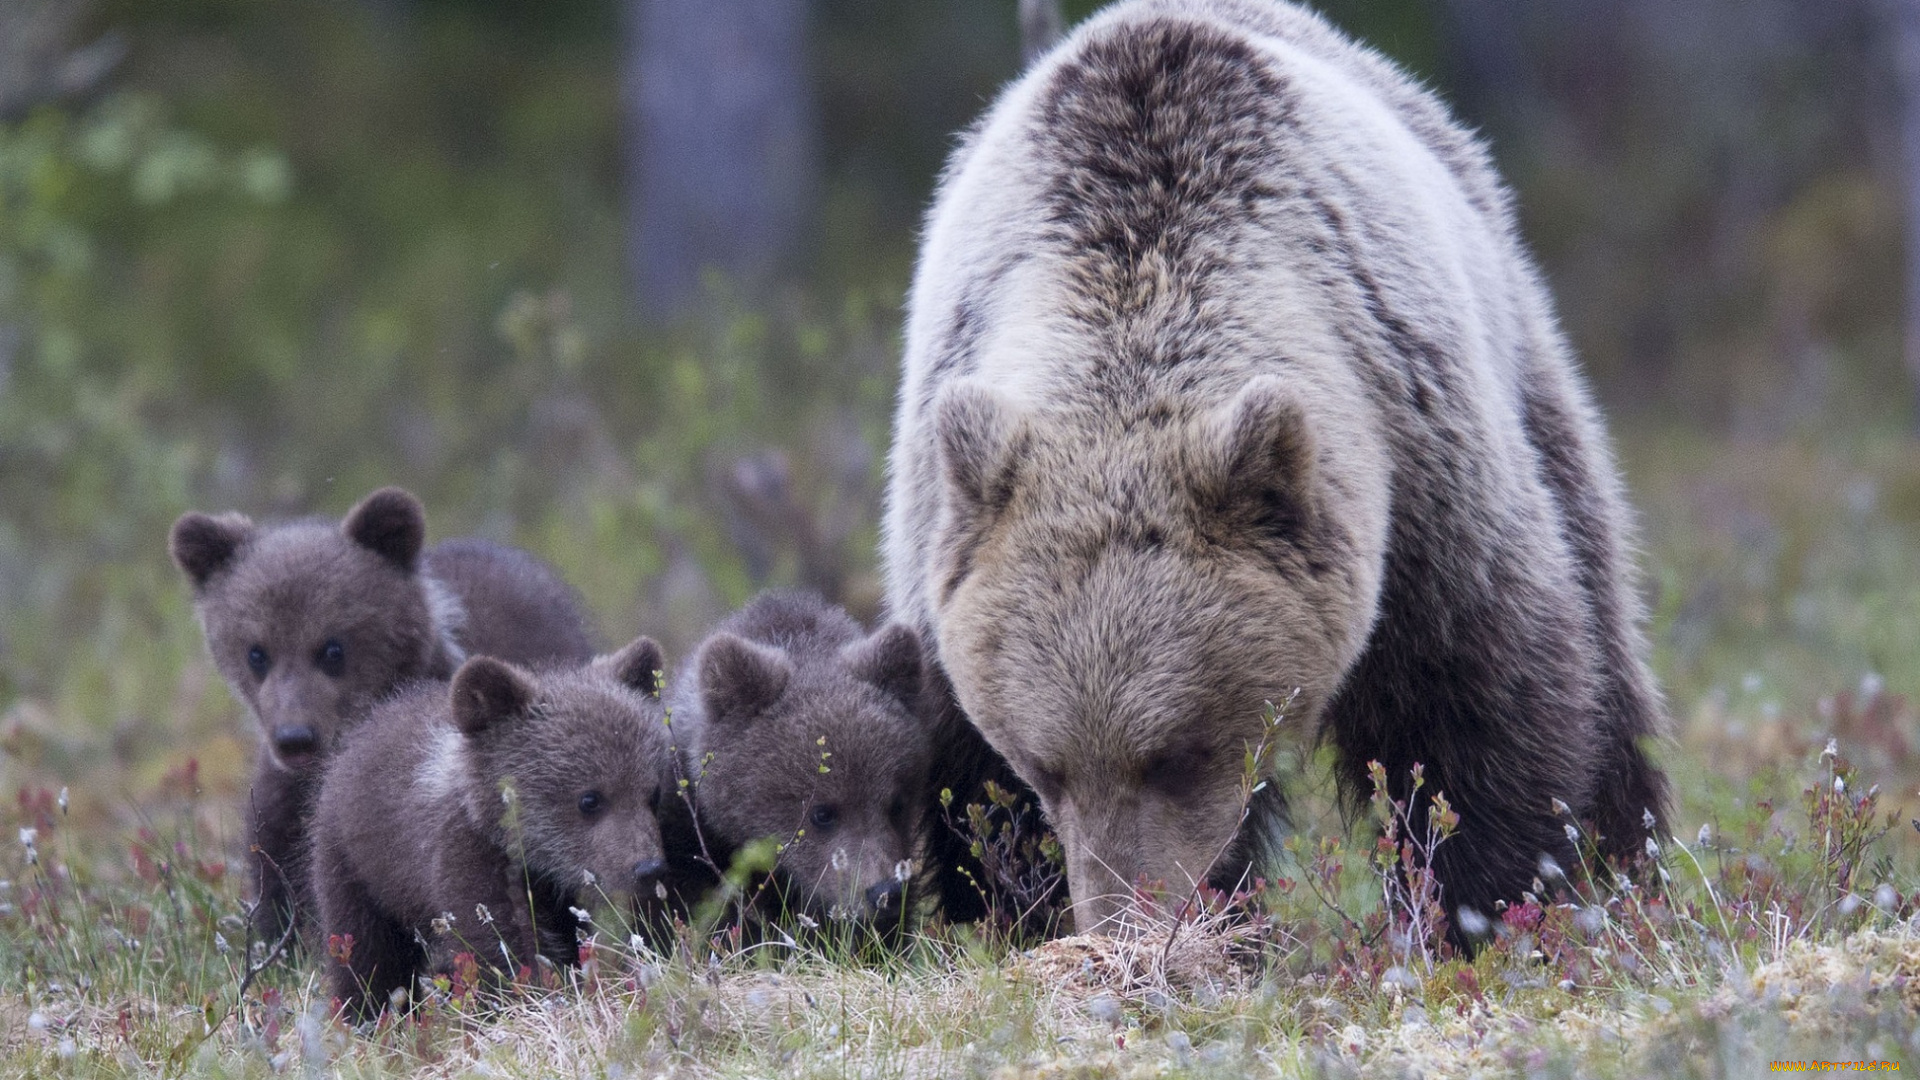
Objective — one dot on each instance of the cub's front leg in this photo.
(488, 898)
(370, 954)
(276, 831)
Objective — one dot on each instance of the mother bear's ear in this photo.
(981, 442)
(1258, 466)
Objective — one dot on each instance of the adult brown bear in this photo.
(1227, 376)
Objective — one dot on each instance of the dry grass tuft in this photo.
(1155, 964)
(1875, 968)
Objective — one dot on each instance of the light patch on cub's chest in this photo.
(449, 618)
(444, 771)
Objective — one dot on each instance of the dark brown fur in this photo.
(395, 612)
(799, 727)
(466, 801)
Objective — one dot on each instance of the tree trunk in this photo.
(1488, 56)
(1903, 37)
(718, 128)
(38, 63)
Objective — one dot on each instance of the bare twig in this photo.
(254, 968)
(1252, 779)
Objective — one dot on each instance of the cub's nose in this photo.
(648, 871)
(295, 740)
(884, 896)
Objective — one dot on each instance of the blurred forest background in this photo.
(619, 281)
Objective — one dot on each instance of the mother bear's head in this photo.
(1120, 591)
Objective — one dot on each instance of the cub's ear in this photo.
(1263, 470)
(391, 523)
(636, 665)
(739, 679)
(981, 442)
(203, 545)
(488, 692)
(889, 659)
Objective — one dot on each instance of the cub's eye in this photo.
(258, 660)
(332, 657)
(590, 803)
(824, 816)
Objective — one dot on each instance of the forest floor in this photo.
(1778, 925)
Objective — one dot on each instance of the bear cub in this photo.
(798, 726)
(475, 817)
(310, 623)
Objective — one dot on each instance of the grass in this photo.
(1756, 948)
(1778, 926)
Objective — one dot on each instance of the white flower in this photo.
(444, 923)
(1590, 919)
(1646, 817)
(581, 914)
(1550, 868)
(903, 870)
(1653, 849)
(1839, 786)
(839, 860)
(807, 922)
(1573, 834)
(1884, 897)
(660, 889)
(27, 838)
(220, 943)
(1832, 750)
(1398, 980)
(587, 877)
(63, 802)
(1562, 808)
(480, 912)
(1472, 923)
(1706, 834)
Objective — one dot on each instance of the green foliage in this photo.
(273, 294)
